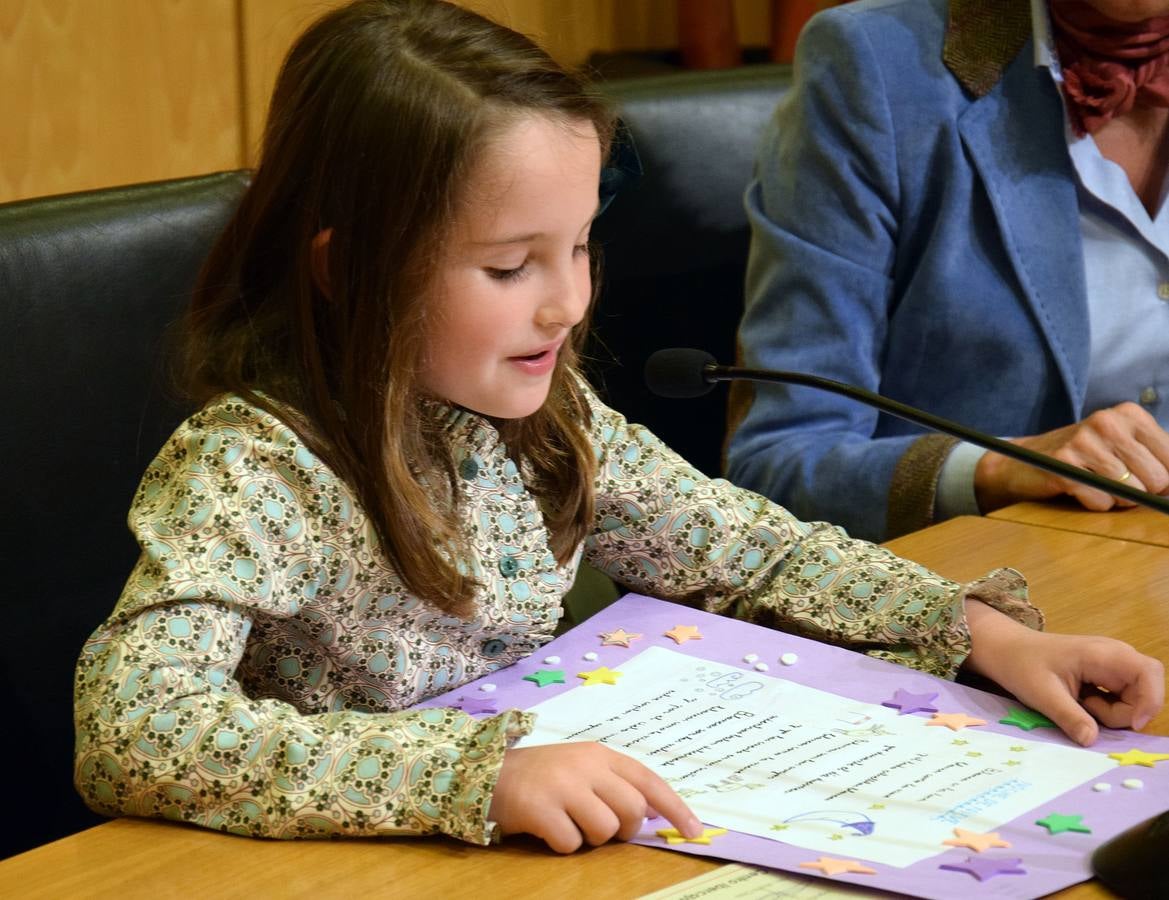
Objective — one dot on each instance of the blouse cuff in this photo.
(482, 760)
(1006, 591)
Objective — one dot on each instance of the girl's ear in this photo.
(320, 260)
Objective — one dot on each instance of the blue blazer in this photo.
(915, 239)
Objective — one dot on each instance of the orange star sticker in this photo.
(674, 836)
(683, 633)
(954, 721)
(618, 638)
(830, 866)
(1136, 757)
(975, 841)
(599, 675)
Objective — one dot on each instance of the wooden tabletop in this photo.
(1138, 523)
(1085, 583)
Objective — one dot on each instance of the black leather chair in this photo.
(675, 242)
(88, 286)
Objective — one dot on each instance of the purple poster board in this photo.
(1049, 861)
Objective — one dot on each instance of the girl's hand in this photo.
(567, 794)
(1060, 675)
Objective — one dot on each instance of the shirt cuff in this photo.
(955, 492)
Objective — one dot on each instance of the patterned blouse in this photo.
(258, 671)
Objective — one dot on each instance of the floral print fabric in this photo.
(257, 672)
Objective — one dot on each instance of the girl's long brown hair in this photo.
(378, 114)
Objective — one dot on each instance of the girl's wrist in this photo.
(994, 638)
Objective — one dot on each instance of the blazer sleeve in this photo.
(823, 209)
(165, 726)
(664, 529)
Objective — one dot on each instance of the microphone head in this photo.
(678, 373)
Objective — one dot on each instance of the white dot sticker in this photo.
(551, 660)
(1101, 787)
(750, 657)
(789, 659)
(761, 667)
(590, 656)
(487, 688)
(1133, 784)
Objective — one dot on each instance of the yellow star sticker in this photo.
(683, 633)
(975, 841)
(836, 837)
(959, 742)
(674, 836)
(954, 721)
(599, 675)
(877, 806)
(830, 866)
(1013, 762)
(1017, 748)
(1136, 757)
(618, 638)
(974, 753)
(780, 827)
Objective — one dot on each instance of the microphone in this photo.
(680, 373)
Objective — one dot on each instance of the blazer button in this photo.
(508, 566)
(468, 469)
(493, 647)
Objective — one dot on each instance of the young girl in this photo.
(397, 469)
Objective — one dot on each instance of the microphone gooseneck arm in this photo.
(713, 372)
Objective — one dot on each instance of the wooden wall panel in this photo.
(113, 92)
(103, 92)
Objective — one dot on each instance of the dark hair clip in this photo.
(623, 168)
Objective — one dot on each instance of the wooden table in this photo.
(1085, 583)
(1139, 523)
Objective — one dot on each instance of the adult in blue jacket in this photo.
(927, 224)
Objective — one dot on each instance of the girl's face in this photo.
(514, 278)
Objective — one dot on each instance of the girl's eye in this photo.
(508, 274)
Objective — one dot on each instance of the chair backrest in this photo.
(88, 286)
(675, 242)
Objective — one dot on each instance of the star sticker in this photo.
(683, 633)
(599, 675)
(907, 703)
(475, 707)
(1055, 823)
(674, 836)
(974, 841)
(986, 867)
(1017, 748)
(974, 753)
(545, 677)
(1012, 762)
(618, 638)
(780, 827)
(1027, 719)
(1136, 757)
(830, 866)
(877, 806)
(954, 721)
(959, 742)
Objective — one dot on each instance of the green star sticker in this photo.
(1026, 719)
(1056, 823)
(545, 677)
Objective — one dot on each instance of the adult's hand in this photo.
(1122, 442)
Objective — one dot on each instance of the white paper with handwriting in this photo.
(765, 756)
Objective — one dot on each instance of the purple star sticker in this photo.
(986, 867)
(475, 707)
(909, 703)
